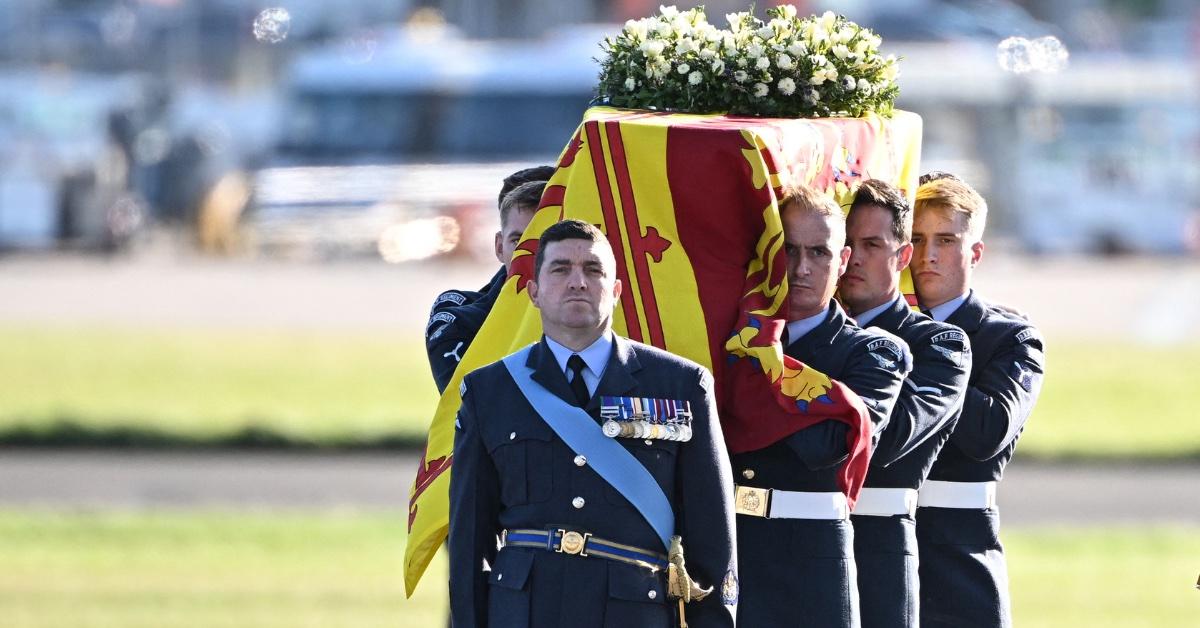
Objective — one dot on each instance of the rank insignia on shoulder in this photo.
(729, 588)
(643, 417)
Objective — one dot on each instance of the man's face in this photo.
(943, 255)
(509, 235)
(816, 258)
(575, 288)
(876, 258)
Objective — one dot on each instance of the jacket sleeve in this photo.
(1002, 396)
(705, 513)
(930, 396)
(451, 329)
(875, 371)
(474, 508)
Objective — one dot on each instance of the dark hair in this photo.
(936, 175)
(525, 197)
(512, 181)
(569, 229)
(883, 194)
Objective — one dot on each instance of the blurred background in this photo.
(222, 223)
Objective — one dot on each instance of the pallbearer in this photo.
(795, 543)
(964, 581)
(878, 231)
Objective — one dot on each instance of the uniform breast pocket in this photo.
(524, 462)
(658, 458)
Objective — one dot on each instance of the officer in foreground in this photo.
(964, 581)
(796, 554)
(878, 231)
(596, 460)
(457, 315)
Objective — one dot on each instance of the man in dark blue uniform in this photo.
(457, 315)
(797, 561)
(964, 581)
(584, 494)
(878, 231)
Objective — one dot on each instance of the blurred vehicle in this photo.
(396, 146)
(64, 171)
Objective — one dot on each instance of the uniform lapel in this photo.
(547, 372)
(618, 378)
(893, 317)
(820, 336)
(969, 315)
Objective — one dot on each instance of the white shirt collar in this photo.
(865, 318)
(943, 311)
(797, 329)
(595, 356)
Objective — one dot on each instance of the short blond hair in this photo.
(954, 195)
(805, 198)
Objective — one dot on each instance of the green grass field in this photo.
(84, 570)
(323, 388)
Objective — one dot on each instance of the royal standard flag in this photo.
(690, 206)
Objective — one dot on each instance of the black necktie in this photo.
(578, 386)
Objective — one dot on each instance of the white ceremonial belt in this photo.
(776, 504)
(957, 494)
(885, 502)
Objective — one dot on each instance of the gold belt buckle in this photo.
(572, 542)
(752, 501)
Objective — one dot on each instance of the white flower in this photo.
(695, 77)
(718, 66)
(685, 45)
(840, 51)
(848, 83)
(781, 26)
(766, 32)
(735, 21)
(651, 48)
(707, 53)
(818, 78)
(754, 50)
(819, 36)
(864, 85)
(666, 11)
(663, 28)
(630, 84)
(762, 63)
(784, 62)
(787, 11)
(890, 71)
(818, 60)
(811, 96)
(831, 73)
(786, 86)
(740, 76)
(684, 68)
(827, 21)
(741, 62)
(843, 34)
(798, 49)
(861, 46)
(635, 30)
(761, 89)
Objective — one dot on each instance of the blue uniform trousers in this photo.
(964, 581)
(796, 572)
(885, 552)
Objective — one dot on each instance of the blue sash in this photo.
(609, 458)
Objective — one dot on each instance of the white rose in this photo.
(786, 86)
(760, 90)
(741, 62)
(718, 66)
(695, 77)
(762, 63)
(766, 32)
(630, 84)
(740, 76)
(707, 54)
(841, 51)
(818, 77)
(754, 50)
(798, 49)
(864, 85)
(685, 45)
(684, 68)
(652, 48)
(784, 62)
